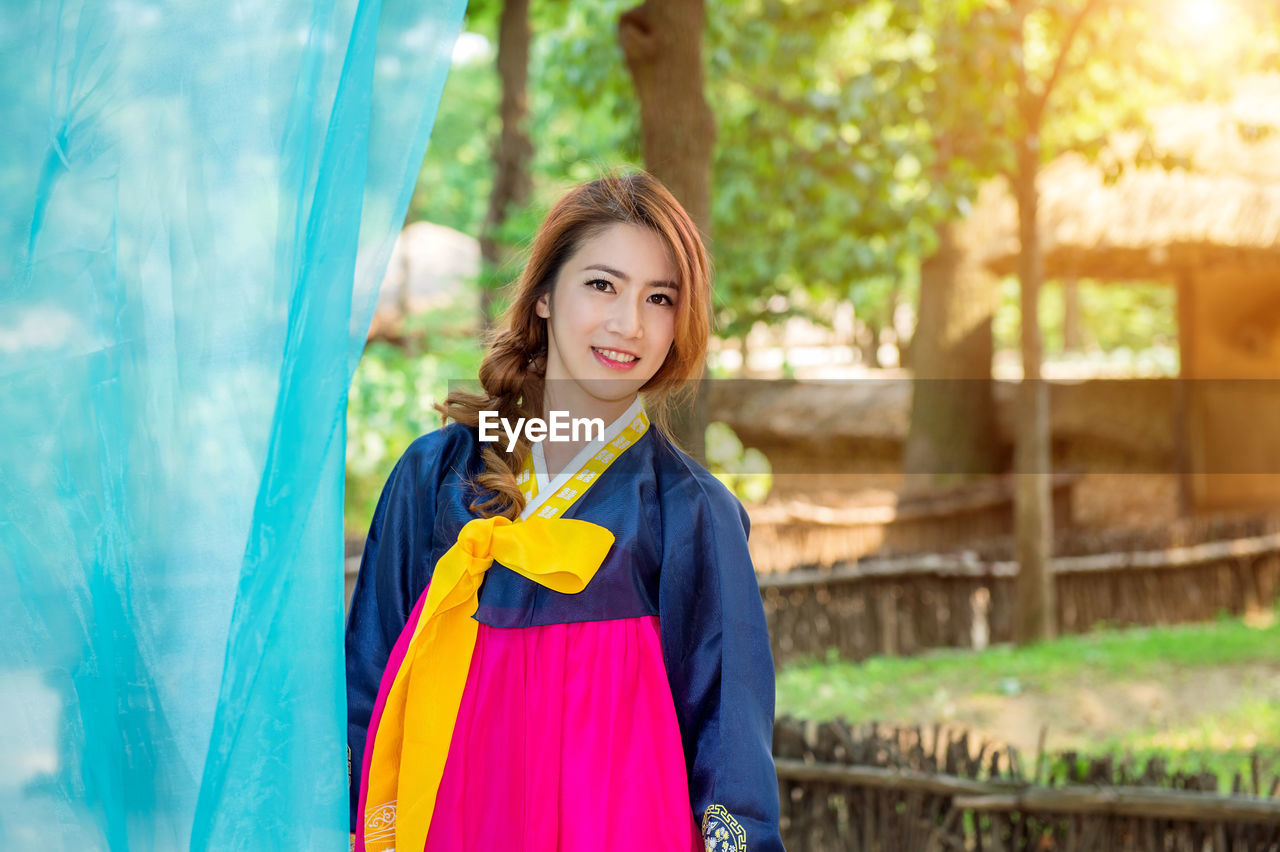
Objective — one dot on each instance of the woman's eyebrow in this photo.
(670, 285)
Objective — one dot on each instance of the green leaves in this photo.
(391, 401)
(828, 178)
(744, 471)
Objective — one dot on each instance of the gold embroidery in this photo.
(721, 832)
(558, 504)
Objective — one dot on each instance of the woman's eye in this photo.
(663, 299)
(600, 285)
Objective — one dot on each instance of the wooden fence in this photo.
(903, 606)
(873, 788)
(795, 534)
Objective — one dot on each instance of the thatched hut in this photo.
(1210, 228)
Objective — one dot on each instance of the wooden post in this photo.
(1033, 507)
(1184, 396)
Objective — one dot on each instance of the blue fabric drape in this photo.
(197, 200)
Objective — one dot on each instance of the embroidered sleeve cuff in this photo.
(721, 832)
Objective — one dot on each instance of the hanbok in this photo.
(605, 685)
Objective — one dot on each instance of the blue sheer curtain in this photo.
(197, 200)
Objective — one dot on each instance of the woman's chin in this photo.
(613, 390)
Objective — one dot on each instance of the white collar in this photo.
(548, 486)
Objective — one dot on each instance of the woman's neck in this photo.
(558, 454)
(581, 405)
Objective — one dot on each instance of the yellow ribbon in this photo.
(412, 739)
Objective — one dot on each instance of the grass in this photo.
(918, 690)
(1222, 743)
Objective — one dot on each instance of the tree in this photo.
(662, 43)
(821, 194)
(512, 183)
(952, 434)
(1037, 78)
(1047, 31)
(1082, 69)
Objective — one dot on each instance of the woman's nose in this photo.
(626, 319)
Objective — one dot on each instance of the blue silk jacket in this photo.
(680, 553)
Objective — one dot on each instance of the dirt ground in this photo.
(1165, 708)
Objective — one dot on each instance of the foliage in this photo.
(744, 470)
(1066, 75)
(1137, 322)
(453, 184)
(844, 156)
(820, 188)
(390, 404)
(585, 116)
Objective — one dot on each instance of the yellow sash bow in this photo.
(412, 739)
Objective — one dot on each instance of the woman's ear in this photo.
(543, 306)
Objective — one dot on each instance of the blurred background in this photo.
(997, 334)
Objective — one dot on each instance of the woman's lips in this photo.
(612, 364)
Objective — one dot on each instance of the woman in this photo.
(595, 675)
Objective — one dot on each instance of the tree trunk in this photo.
(662, 43)
(512, 184)
(953, 434)
(869, 343)
(1033, 522)
(1072, 327)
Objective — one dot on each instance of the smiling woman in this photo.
(567, 639)
(615, 309)
(618, 270)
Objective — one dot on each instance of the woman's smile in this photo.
(615, 359)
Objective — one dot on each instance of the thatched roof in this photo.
(1221, 211)
(431, 267)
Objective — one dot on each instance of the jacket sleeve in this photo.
(394, 570)
(716, 648)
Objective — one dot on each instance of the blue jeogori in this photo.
(671, 621)
(196, 204)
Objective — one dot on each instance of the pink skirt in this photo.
(566, 741)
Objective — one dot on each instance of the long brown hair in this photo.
(513, 371)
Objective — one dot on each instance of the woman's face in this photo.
(610, 320)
